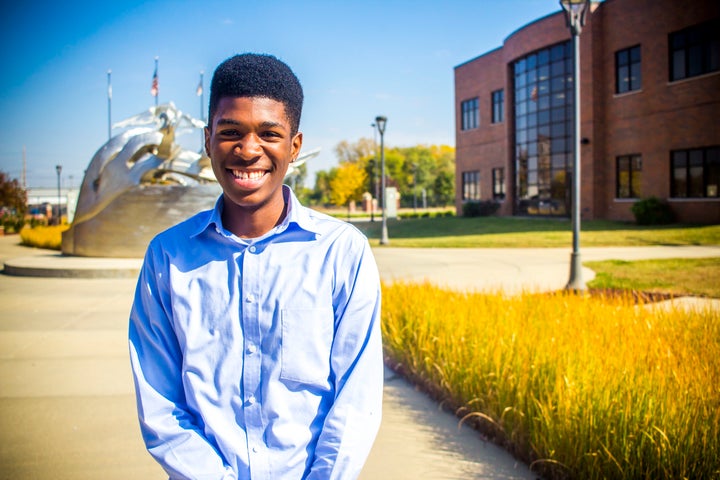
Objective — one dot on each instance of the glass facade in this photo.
(544, 118)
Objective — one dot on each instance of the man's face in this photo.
(251, 144)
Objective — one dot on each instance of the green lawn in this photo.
(493, 232)
(675, 276)
(686, 276)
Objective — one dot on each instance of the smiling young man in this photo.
(254, 334)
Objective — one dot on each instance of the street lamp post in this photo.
(58, 169)
(380, 122)
(575, 13)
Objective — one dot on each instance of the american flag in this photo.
(155, 88)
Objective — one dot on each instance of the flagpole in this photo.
(155, 90)
(109, 95)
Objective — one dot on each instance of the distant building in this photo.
(650, 114)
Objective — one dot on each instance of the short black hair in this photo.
(257, 75)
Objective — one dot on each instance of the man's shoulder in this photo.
(328, 225)
(184, 230)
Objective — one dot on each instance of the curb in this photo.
(59, 266)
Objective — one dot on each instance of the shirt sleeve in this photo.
(171, 432)
(353, 421)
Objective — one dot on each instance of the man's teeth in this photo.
(245, 175)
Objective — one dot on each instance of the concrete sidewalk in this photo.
(66, 401)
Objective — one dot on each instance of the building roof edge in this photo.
(476, 57)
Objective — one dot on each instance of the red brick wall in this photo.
(660, 117)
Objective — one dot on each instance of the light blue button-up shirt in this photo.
(258, 358)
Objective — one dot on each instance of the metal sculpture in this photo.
(142, 182)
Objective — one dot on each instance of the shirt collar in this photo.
(296, 214)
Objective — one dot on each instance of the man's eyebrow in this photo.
(265, 124)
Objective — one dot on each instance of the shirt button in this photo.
(254, 449)
(251, 349)
(252, 248)
(250, 298)
(251, 400)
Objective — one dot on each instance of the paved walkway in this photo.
(66, 401)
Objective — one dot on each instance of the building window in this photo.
(471, 185)
(695, 50)
(498, 106)
(627, 70)
(470, 114)
(498, 182)
(628, 172)
(543, 101)
(695, 173)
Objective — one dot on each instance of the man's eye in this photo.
(229, 133)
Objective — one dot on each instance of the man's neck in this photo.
(252, 223)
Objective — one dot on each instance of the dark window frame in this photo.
(470, 185)
(628, 69)
(470, 114)
(498, 183)
(498, 106)
(627, 185)
(684, 167)
(694, 51)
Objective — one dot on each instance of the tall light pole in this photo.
(380, 122)
(575, 13)
(58, 169)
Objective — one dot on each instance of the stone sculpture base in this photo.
(125, 227)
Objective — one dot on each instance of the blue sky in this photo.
(356, 60)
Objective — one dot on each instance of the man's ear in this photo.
(207, 140)
(296, 146)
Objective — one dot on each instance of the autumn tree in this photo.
(348, 184)
(411, 170)
(13, 198)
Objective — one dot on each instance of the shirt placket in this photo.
(252, 364)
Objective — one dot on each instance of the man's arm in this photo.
(171, 432)
(356, 360)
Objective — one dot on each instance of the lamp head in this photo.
(380, 122)
(575, 13)
(58, 169)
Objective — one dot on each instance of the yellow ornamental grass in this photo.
(43, 237)
(578, 386)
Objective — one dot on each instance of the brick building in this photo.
(650, 113)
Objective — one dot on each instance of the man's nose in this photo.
(248, 147)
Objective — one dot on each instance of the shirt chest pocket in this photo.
(307, 336)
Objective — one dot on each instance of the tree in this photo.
(321, 193)
(13, 198)
(411, 170)
(354, 152)
(444, 188)
(348, 184)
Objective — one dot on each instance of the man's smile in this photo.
(248, 174)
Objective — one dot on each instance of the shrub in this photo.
(43, 237)
(482, 208)
(652, 211)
